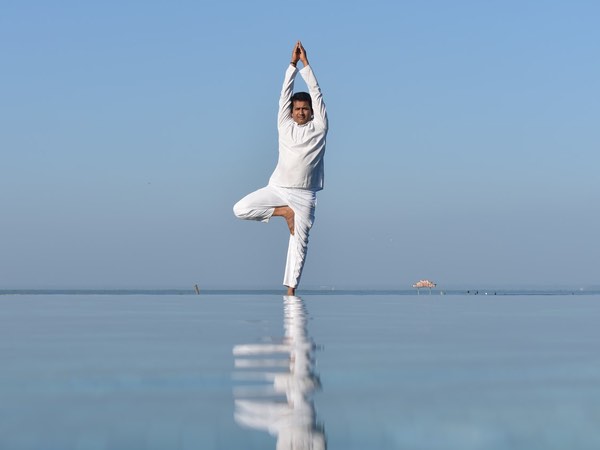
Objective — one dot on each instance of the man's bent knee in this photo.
(239, 210)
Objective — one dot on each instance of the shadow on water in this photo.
(279, 382)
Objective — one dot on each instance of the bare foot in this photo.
(291, 291)
(288, 214)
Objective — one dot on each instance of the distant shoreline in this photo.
(391, 292)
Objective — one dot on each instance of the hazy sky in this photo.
(464, 142)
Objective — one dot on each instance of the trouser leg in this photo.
(303, 203)
(259, 205)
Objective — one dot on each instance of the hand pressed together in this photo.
(299, 54)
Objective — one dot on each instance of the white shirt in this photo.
(301, 147)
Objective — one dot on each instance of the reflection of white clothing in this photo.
(259, 205)
(292, 419)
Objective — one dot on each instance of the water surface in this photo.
(343, 371)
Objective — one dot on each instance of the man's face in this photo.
(301, 112)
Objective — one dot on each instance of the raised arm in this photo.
(320, 113)
(288, 87)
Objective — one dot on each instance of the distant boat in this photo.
(424, 284)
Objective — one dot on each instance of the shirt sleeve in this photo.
(320, 113)
(286, 94)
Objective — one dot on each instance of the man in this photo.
(291, 192)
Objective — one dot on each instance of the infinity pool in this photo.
(325, 371)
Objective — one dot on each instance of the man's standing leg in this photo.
(303, 203)
(297, 207)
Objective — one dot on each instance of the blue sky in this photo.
(463, 146)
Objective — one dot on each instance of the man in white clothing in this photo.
(291, 192)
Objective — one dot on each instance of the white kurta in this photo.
(298, 175)
(301, 147)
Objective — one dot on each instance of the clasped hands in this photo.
(299, 54)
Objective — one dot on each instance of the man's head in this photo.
(301, 106)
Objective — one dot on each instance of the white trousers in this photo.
(260, 205)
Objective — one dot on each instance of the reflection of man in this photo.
(291, 192)
(293, 420)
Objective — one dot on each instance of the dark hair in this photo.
(301, 97)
